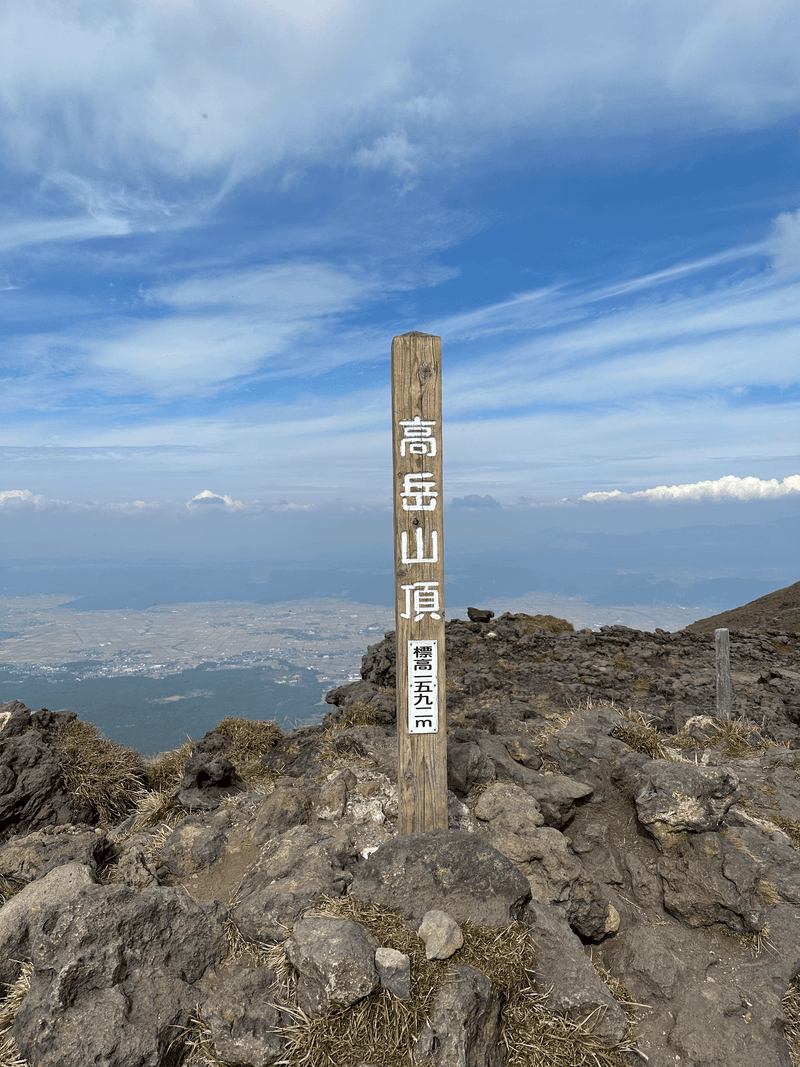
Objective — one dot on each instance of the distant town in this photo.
(328, 636)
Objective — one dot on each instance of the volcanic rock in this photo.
(445, 869)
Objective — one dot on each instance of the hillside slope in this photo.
(778, 611)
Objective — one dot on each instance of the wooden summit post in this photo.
(419, 582)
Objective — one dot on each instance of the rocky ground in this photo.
(617, 886)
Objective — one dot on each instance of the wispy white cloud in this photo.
(785, 241)
(730, 487)
(286, 289)
(392, 152)
(195, 336)
(81, 209)
(193, 87)
(44, 230)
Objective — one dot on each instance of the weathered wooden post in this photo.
(724, 687)
(419, 582)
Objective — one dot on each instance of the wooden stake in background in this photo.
(722, 645)
(419, 582)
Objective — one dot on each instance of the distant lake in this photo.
(157, 714)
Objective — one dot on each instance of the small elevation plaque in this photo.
(423, 687)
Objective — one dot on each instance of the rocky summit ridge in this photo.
(619, 883)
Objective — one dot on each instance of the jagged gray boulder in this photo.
(676, 797)
(467, 766)
(586, 741)
(113, 973)
(208, 778)
(244, 1017)
(778, 860)
(332, 800)
(464, 1027)
(29, 856)
(546, 858)
(573, 986)
(508, 807)
(294, 871)
(195, 844)
(335, 963)
(133, 869)
(284, 808)
(447, 869)
(501, 752)
(557, 797)
(58, 888)
(710, 1002)
(33, 791)
(707, 880)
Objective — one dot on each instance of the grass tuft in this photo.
(641, 735)
(166, 772)
(768, 892)
(239, 947)
(537, 1036)
(249, 738)
(791, 1012)
(197, 1048)
(330, 752)
(358, 715)
(9, 1006)
(789, 827)
(532, 623)
(103, 773)
(733, 739)
(380, 1028)
(9, 887)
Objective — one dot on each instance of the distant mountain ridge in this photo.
(775, 611)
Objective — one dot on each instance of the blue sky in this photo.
(217, 214)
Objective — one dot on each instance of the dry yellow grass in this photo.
(791, 1011)
(103, 773)
(532, 623)
(9, 1005)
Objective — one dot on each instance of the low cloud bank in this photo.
(19, 496)
(727, 488)
(209, 499)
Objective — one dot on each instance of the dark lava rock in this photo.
(33, 791)
(206, 780)
(563, 969)
(30, 856)
(450, 870)
(244, 1018)
(464, 1027)
(113, 973)
(708, 880)
(295, 870)
(683, 796)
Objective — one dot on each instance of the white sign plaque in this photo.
(423, 687)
